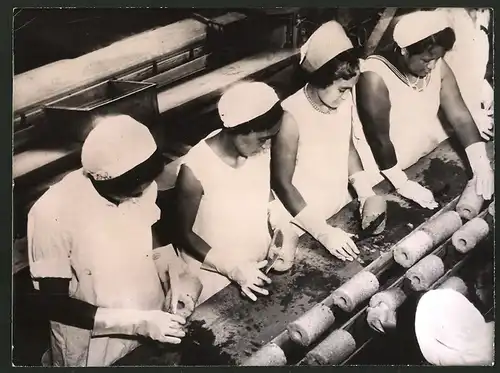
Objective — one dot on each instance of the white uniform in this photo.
(233, 211)
(415, 129)
(106, 252)
(469, 58)
(321, 170)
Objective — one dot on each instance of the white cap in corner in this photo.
(451, 331)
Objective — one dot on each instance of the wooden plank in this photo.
(214, 83)
(179, 72)
(379, 30)
(48, 82)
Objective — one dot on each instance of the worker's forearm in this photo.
(66, 310)
(354, 161)
(383, 151)
(290, 197)
(195, 245)
(465, 128)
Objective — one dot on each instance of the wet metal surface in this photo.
(228, 328)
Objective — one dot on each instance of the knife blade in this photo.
(276, 256)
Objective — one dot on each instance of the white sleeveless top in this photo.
(415, 129)
(233, 211)
(469, 56)
(321, 170)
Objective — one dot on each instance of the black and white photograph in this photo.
(281, 186)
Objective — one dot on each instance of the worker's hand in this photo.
(381, 318)
(249, 276)
(161, 326)
(339, 243)
(155, 324)
(183, 294)
(485, 124)
(419, 194)
(483, 173)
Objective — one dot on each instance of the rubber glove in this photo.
(381, 318)
(246, 274)
(480, 165)
(410, 189)
(158, 325)
(335, 240)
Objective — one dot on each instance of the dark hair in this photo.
(344, 66)
(444, 38)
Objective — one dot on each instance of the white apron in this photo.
(233, 211)
(415, 129)
(111, 259)
(321, 169)
(469, 58)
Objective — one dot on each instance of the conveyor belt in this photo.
(227, 329)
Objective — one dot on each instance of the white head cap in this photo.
(117, 144)
(451, 331)
(245, 101)
(327, 42)
(419, 25)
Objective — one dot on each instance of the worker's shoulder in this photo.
(60, 196)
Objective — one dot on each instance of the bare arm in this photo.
(189, 194)
(374, 106)
(455, 109)
(283, 157)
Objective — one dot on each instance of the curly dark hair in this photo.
(444, 38)
(344, 66)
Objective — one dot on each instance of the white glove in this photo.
(410, 189)
(245, 273)
(158, 325)
(363, 185)
(480, 165)
(335, 240)
(484, 123)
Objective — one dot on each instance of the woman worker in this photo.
(224, 189)
(313, 157)
(398, 97)
(90, 250)
(468, 59)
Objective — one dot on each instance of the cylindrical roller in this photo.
(393, 298)
(425, 273)
(491, 208)
(467, 237)
(412, 248)
(374, 206)
(269, 355)
(470, 203)
(333, 350)
(443, 226)
(308, 327)
(359, 288)
(455, 283)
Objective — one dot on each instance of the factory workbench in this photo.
(227, 328)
